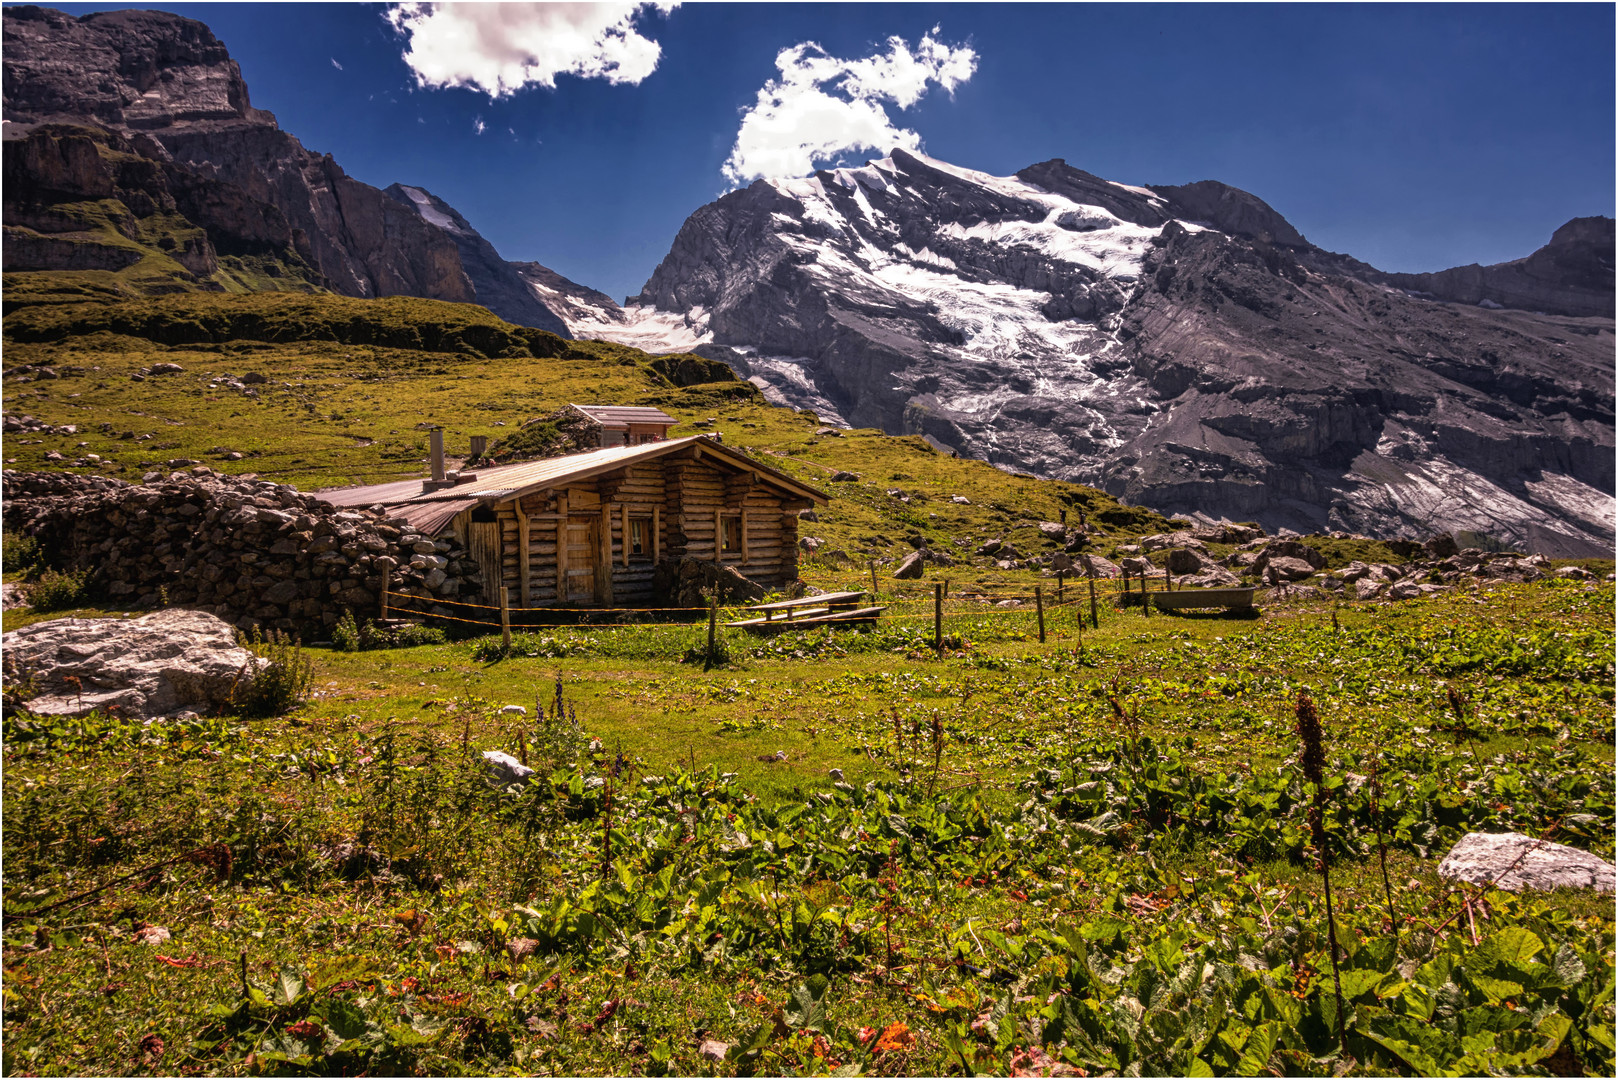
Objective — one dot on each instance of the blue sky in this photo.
(1414, 137)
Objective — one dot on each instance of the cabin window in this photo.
(730, 535)
(640, 530)
(642, 440)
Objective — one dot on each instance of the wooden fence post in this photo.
(1145, 595)
(1039, 611)
(873, 579)
(386, 576)
(1095, 616)
(505, 616)
(713, 625)
(938, 619)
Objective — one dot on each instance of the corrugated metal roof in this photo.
(406, 497)
(613, 415)
(396, 491)
(431, 517)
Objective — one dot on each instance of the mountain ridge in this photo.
(1182, 346)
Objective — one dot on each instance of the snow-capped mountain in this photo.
(1183, 346)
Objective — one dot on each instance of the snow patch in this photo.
(647, 329)
(425, 207)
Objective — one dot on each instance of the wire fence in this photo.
(1081, 601)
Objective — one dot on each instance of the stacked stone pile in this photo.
(255, 553)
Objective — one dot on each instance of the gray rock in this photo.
(156, 665)
(910, 566)
(843, 477)
(1053, 530)
(1368, 589)
(1137, 565)
(514, 710)
(1097, 567)
(1283, 569)
(1185, 560)
(1289, 549)
(1514, 862)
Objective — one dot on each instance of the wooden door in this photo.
(583, 555)
(483, 540)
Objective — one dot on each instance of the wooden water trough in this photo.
(1203, 598)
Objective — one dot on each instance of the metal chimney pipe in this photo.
(436, 441)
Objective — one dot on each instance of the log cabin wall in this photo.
(673, 507)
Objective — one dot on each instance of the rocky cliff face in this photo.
(167, 84)
(1183, 346)
(500, 286)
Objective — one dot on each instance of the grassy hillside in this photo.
(353, 385)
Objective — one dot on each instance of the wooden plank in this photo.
(604, 558)
(625, 533)
(857, 615)
(742, 527)
(657, 537)
(561, 547)
(525, 588)
(809, 601)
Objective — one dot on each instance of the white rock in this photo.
(514, 710)
(1500, 859)
(152, 666)
(153, 935)
(502, 770)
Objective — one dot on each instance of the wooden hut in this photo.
(589, 529)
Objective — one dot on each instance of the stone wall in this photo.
(253, 552)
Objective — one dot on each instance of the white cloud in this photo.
(335, 64)
(478, 126)
(501, 48)
(822, 107)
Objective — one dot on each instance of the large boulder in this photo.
(1097, 567)
(168, 662)
(1186, 560)
(910, 566)
(1283, 569)
(1514, 861)
(1289, 549)
(685, 583)
(1441, 546)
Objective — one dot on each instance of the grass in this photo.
(1080, 863)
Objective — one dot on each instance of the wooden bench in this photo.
(1241, 597)
(807, 611)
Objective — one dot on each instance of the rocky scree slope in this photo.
(168, 86)
(1182, 346)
